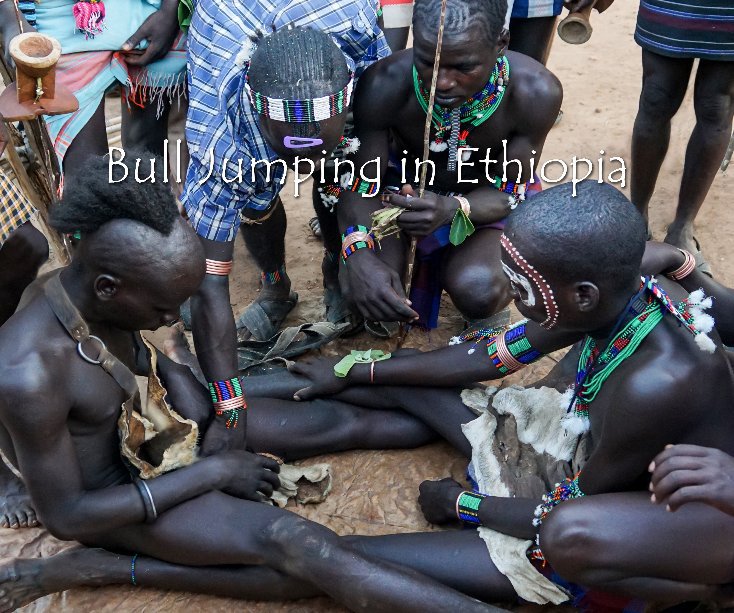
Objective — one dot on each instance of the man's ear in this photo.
(503, 41)
(106, 287)
(586, 296)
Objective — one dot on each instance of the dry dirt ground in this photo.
(376, 492)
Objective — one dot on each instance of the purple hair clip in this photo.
(293, 142)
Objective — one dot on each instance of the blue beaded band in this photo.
(467, 507)
(132, 570)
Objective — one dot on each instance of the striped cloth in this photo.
(527, 9)
(687, 28)
(15, 208)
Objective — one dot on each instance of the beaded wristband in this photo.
(467, 507)
(357, 228)
(510, 350)
(568, 490)
(353, 240)
(685, 269)
(217, 267)
(228, 399)
(354, 184)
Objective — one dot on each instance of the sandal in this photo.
(286, 344)
(338, 311)
(702, 264)
(264, 324)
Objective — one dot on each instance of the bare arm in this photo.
(448, 367)
(374, 288)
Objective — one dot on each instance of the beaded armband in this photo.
(228, 399)
(568, 490)
(510, 350)
(467, 507)
(359, 186)
(355, 238)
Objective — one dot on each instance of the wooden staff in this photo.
(410, 263)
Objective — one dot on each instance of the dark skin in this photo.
(647, 403)
(215, 333)
(624, 417)
(141, 128)
(66, 444)
(664, 84)
(21, 256)
(531, 102)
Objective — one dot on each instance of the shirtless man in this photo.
(23, 250)
(59, 413)
(521, 110)
(648, 401)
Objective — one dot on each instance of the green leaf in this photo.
(461, 228)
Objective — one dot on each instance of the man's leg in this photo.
(296, 430)
(532, 36)
(473, 276)
(664, 83)
(713, 99)
(91, 140)
(142, 129)
(266, 243)
(625, 544)
(458, 559)
(21, 255)
(217, 529)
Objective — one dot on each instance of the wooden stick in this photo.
(410, 263)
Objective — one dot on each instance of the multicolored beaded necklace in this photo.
(475, 111)
(595, 365)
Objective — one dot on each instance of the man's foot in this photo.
(263, 318)
(25, 580)
(16, 510)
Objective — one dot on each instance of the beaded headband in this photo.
(549, 301)
(301, 111)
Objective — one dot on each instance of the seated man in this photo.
(23, 250)
(133, 267)
(101, 46)
(485, 98)
(638, 398)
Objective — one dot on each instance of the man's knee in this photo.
(24, 252)
(477, 292)
(714, 111)
(659, 101)
(571, 542)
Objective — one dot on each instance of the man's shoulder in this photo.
(385, 86)
(533, 85)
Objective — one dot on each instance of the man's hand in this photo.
(422, 215)
(219, 439)
(160, 30)
(437, 500)
(659, 257)
(689, 473)
(375, 289)
(247, 475)
(320, 371)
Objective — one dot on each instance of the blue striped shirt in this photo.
(219, 127)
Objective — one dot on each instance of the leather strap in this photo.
(90, 348)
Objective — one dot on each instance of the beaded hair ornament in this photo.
(549, 301)
(300, 111)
